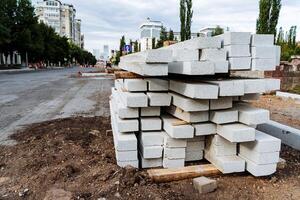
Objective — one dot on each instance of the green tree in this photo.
(136, 46)
(267, 21)
(171, 35)
(218, 31)
(153, 43)
(189, 16)
(122, 45)
(163, 37)
(182, 20)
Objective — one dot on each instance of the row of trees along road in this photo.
(20, 31)
(269, 12)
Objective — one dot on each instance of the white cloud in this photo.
(105, 21)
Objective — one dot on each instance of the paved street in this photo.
(27, 98)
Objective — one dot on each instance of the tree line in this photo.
(20, 31)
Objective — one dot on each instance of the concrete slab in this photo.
(264, 52)
(288, 95)
(253, 86)
(272, 84)
(229, 87)
(194, 156)
(173, 163)
(278, 55)
(252, 116)
(220, 103)
(159, 99)
(221, 67)
(150, 112)
(188, 104)
(152, 138)
(263, 143)
(213, 55)
(204, 185)
(237, 38)
(222, 148)
(240, 63)
(149, 56)
(176, 128)
(238, 50)
(259, 170)
(151, 152)
(259, 158)
(262, 40)
(198, 43)
(191, 117)
(192, 68)
(127, 125)
(224, 116)
(203, 129)
(134, 163)
(185, 55)
(195, 146)
(155, 84)
(135, 85)
(236, 132)
(174, 153)
(124, 156)
(151, 124)
(195, 90)
(133, 100)
(144, 69)
(173, 143)
(123, 111)
(263, 64)
(150, 163)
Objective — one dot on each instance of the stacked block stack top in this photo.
(183, 105)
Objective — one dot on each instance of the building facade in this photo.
(149, 30)
(61, 17)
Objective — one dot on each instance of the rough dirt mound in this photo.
(75, 158)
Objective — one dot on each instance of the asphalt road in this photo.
(27, 98)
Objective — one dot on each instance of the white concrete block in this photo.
(149, 56)
(150, 112)
(135, 85)
(194, 156)
(198, 43)
(220, 148)
(119, 84)
(240, 63)
(259, 158)
(133, 100)
(238, 50)
(263, 64)
(192, 68)
(195, 146)
(151, 124)
(203, 129)
(126, 156)
(259, 170)
(227, 164)
(236, 132)
(253, 86)
(272, 84)
(221, 67)
(188, 104)
(213, 55)
(174, 153)
(123, 111)
(224, 116)
(237, 38)
(185, 55)
(191, 117)
(204, 185)
(150, 152)
(263, 143)
(195, 90)
(159, 99)
(278, 55)
(264, 52)
(177, 128)
(134, 163)
(221, 103)
(173, 163)
(150, 163)
(127, 125)
(252, 116)
(145, 69)
(173, 143)
(152, 138)
(262, 40)
(229, 87)
(155, 84)
(250, 97)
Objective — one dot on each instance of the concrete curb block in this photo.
(288, 135)
(288, 95)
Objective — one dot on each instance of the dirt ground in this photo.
(74, 158)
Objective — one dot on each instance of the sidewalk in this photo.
(27, 70)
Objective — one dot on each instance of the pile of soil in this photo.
(75, 158)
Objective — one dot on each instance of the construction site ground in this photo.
(73, 158)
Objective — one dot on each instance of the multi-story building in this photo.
(149, 30)
(61, 17)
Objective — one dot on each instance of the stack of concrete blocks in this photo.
(179, 111)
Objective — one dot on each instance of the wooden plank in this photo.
(127, 75)
(168, 175)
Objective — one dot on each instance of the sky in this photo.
(105, 21)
